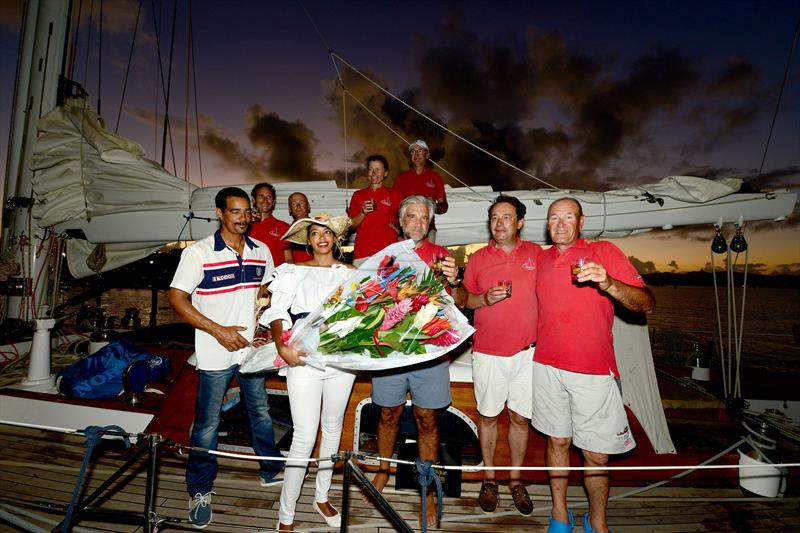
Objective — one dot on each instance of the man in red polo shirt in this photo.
(576, 398)
(421, 180)
(265, 227)
(500, 284)
(373, 212)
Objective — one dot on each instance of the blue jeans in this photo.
(202, 467)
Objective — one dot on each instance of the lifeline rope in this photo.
(425, 478)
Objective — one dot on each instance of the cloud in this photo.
(739, 76)
(643, 267)
(673, 265)
(289, 146)
(788, 268)
(11, 15)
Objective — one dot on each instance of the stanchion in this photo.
(350, 468)
(148, 518)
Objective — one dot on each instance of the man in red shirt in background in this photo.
(576, 397)
(373, 212)
(502, 346)
(265, 227)
(298, 208)
(422, 181)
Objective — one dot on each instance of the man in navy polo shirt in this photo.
(215, 289)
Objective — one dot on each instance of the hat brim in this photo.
(298, 231)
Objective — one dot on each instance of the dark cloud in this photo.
(739, 76)
(289, 146)
(11, 15)
(232, 154)
(788, 268)
(673, 265)
(643, 267)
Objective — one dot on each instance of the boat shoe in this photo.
(487, 498)
(560, 527)
(521, 499)
(200, 513)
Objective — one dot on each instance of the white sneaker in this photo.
(270, 482)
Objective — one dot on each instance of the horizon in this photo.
(574, 94)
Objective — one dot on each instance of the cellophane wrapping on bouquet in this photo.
(391, 312)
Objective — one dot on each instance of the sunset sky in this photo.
(590, 95)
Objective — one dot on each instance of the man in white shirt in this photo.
(215, 290)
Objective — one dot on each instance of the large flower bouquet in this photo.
(390, 312)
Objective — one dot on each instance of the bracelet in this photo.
(486, 298)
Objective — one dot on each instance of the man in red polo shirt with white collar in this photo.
(576, 398)
(502, 348)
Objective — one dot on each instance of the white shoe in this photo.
(332, 521)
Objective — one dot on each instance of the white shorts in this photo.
(585, 407)
(503, 380)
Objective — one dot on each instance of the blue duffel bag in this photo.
(99, 376)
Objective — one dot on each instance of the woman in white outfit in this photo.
(315, 396)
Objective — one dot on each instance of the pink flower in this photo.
(445, 339)
(395, 314)
(419, 302)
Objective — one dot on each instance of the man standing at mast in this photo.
(421, 180)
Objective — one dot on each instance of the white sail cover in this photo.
(82, 170)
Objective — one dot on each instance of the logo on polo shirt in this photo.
(529, 264)
(223, 277)
(430, 184)
(259, 272)
(387, 202)
(275, 232)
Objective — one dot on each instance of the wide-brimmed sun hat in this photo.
(298, 232)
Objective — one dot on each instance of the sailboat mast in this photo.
(41, 61)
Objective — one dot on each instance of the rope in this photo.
(94, 434)
(425, 478)
(741, 324)
(441, 126)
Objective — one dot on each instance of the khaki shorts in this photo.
(503, 380)
(585, 407)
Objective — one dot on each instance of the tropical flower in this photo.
(396, 310)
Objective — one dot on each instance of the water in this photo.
(683, 315)
(689, 313)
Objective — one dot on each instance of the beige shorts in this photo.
(501, 381)
(585, 407)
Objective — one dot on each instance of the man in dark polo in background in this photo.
(429, 383)
(500, 284)
(576, 397)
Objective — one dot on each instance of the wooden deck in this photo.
(38, 470)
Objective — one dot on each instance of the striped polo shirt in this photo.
(224, 287)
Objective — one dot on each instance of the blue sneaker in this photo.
(271, 482)
(200, 510)
(560, 527)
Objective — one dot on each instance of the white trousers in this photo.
(315, 396)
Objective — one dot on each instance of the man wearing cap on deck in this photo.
(298, 208)
(422, 181)
(576, 395)
(500, 284)
(429, 383)
(373, 211)
(265, 227)
(214, 290)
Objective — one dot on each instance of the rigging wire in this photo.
(157, 27)
(128, 66)
(100, 61)
(88, 44)
(441, 126)
(780, 96)
(169, 93)
(196, 110)
(186, 98)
